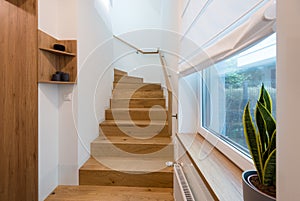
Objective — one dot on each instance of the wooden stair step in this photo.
(127, 79)
(129, 123)
(126, 172)
(110, 193)
(141, 129)
(137, 94)
(120, 72)
(137, 86)
(136, 114)
(125, 146)
(137, 102)
(133, 165)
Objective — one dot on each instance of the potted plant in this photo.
(260, 185)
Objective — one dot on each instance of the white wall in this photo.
(288, 95)
(131, 15)
(67, 141)
(57, 133)
(67, 19)
(95, 73)
(48, 112)
(170, 46)
(148, 25)
(48, 139)
(188, 103)
(68, 164)
(137, 22)
(47, 16)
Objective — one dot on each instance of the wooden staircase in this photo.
(128, 159)
(134, 142)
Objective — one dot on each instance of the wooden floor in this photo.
(104, 193)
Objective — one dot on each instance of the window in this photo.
(228, 85)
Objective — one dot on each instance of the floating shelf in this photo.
(56, 82)
(63, 53)
(51, 61)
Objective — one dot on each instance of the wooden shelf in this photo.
(63, 53)
(50, 60)
(56, 82)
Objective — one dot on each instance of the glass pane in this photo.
(230, 84)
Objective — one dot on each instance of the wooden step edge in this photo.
(119, 72)
(159, 141)
(95, 164)
(139, 86)
(133, 122)
(132, 99)
(144, 83)
(159, 109)
(137, 90)
(98, 193)
(129, 77)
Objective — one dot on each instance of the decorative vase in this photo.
(65, 77)
(250, 192)
(59, 47)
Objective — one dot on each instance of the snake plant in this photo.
(261, 138)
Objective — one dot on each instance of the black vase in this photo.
(65, 77)
(59, 47)
(56, 77)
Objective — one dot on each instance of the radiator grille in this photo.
(183, 184)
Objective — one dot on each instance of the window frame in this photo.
(239, 157)
(241, 160)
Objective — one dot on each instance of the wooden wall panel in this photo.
(18, 101)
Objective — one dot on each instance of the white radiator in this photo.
(184, 193)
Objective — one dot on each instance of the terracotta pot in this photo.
(250, 192)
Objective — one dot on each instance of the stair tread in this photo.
(144, 83)
(137, 90)
(138, 98)
(133, 122)
(138, 109)
(110, 193)
(133, 165)
(133, 141)
(128, 76)
(119, 72)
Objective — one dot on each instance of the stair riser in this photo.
(121, 131)
(117, 150)
(119, 72)
(126, 79)
(140, 87)
(137, 103)
(115, 178)
(135, 115)
(138, 94)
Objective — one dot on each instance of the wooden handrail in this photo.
(163, 64)
(168, 84)
(170, 94)
(132, 46)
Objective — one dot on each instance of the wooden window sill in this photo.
(222, 176)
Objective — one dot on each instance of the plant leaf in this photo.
(253, 140)
(272, 144)
(261, 126)
(261, 95)
(270, 169)
(265, 156)
(267, 99)
(268, 118)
